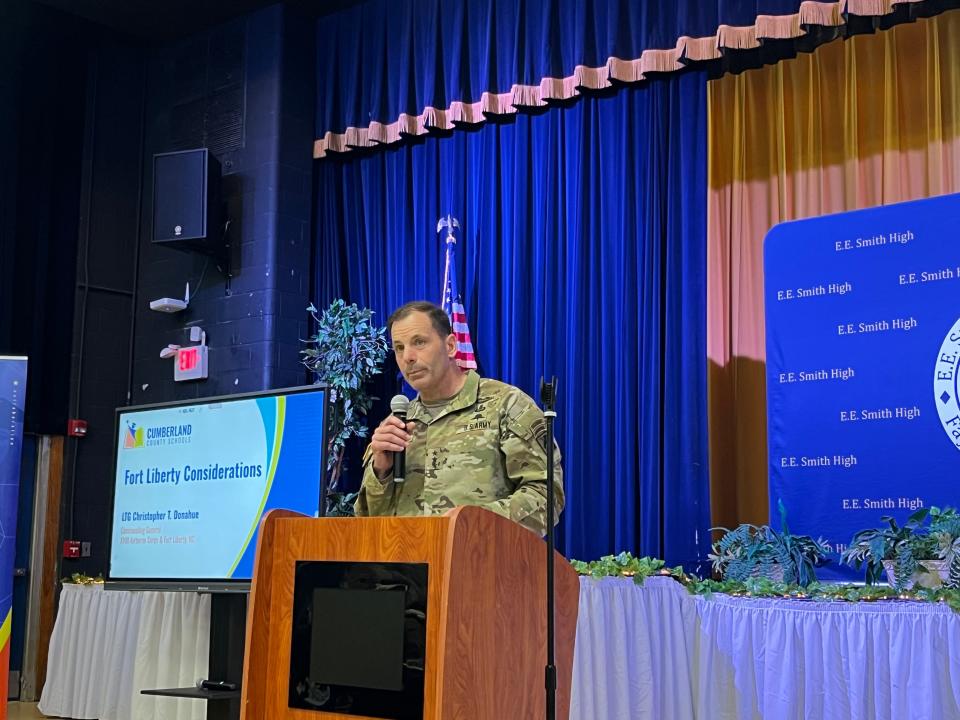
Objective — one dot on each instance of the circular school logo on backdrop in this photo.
(945, 385)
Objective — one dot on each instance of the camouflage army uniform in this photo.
(485, 447)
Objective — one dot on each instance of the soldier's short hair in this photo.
(438, 318)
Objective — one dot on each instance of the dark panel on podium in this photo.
(359, 639)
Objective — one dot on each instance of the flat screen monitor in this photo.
(193, 479)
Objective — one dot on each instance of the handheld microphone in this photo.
(204, 684)
(398, 406)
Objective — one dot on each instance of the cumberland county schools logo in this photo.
(945, 384)
(133, 437)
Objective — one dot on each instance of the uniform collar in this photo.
(463, 399)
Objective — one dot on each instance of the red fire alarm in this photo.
(71, 548)
(77, 428)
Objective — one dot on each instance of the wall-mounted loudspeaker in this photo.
(186, 201)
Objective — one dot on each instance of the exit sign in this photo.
(190, 363)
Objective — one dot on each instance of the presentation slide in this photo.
(863, 340)
(192, 482)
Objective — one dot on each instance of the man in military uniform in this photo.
(468, 440)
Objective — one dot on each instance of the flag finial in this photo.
(449, 223)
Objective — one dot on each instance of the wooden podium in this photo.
(485, 631)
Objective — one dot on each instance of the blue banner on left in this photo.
(13, 392)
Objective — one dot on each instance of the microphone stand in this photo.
(548, 396)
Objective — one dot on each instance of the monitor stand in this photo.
(228, 622)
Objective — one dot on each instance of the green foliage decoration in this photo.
(78, 578)
(907, 546)
(346, 351)
(906, 566)
(953, 581)
(945, 530)
(625, 565)
(750, 546)
(341, 504)
(751, 551)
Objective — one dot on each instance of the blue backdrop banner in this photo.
(13, 392)
(863, 342)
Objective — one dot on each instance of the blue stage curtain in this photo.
(582, 255)
(387, 57)
(386, 68)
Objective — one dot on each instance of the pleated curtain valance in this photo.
(394, 68)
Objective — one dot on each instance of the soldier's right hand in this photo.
(390, 436)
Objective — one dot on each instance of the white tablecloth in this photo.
(642, 652)
(109, 645)
(657, 652)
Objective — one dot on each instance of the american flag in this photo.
(453, 305)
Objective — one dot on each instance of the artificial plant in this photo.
(345, 352)
(760, 551)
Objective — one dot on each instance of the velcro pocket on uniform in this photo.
(525, 423)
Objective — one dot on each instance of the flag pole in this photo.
(451, 301)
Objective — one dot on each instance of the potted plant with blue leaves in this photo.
(916, 553)
(751, 551)
(945, 528)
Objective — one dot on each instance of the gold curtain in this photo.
(868, 121)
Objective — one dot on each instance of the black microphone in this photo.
(398, 406)
(203, 684)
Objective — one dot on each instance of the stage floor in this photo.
(23, 711)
